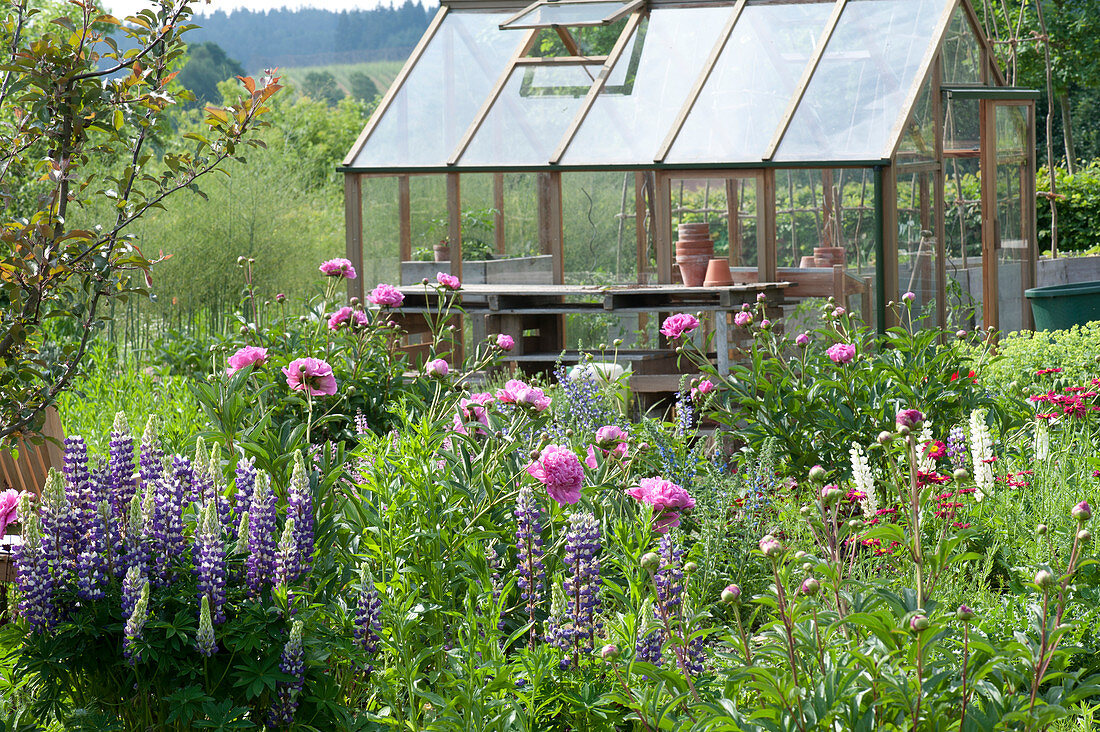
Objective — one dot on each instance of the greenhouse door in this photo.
(1008, 212)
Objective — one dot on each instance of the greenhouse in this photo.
(854, 148)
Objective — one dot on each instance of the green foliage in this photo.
(815, 407)
(362, 86)
(1020, 356)
(1078, 209)
(207, 66)
(79, 172)
(322, 86)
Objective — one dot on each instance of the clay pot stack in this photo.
(828, 256)
(694, 250)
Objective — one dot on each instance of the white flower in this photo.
(981, 454)
(865, 482)
(925, 463)
(1042, 439)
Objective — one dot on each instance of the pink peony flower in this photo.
(841, 353)
(448, 281)
(247, 356)
(338, 268)
(560, 471)
(610, 435)
(706, 386)
(909, 297)
(839, 311)
(311, 375)
(666, 498)
(743, 319)
(523, 394)
(473, 410)
(679, 324)
(339, 318)
(437, 368)
(9, 509)
(505, 342)
(386, 296)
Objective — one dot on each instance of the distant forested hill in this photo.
(311, 37)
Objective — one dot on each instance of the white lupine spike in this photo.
(925, 463)
(864, 480)
(1042, 439)
(981, 454)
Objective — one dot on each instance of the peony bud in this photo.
(910, 418)
(817, 473)
(964, 613)
(961, 474)
(918, 623)
(690, 567)
(1084, 536)
(1082, 511)
(884, 437)
(1041, 529)
(810, 586)
(1044, 578)
(651, 561)
(771, 546)
(609, 652)
(732, 595)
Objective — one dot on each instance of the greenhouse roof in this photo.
(708, 83)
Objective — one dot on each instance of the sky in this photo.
(129, 7)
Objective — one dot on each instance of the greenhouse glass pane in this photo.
(529, 118)
(962, 57)
(752, 82)
(647, 87)
(853, 100)
(567, 14)
(918, 138)
(442, 94)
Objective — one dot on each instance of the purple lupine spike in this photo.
(650, 647)
(368, 617)
(209, 559)
(120, 468)
(95, 562)
(131, 589)
(33, 577)
(291, 663)
(582, 580)
(165, 528)
(135, 539)
(215, 491)
(77, 475)
(287, 560)
(245, 474)
(300, 506)
(261, 536)
(151, 461)
(135, 623)
(58, 525)
(670, 577)
(696, 655)
(956, 446)
(530, 570)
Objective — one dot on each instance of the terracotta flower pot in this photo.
(693, 232)
(693, 268)
(442, 252)
(807, 261)
(828, 256)
(718, 274)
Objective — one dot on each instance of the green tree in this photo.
(207, 66)
(322, 86)
(362, 86)
(77, 171)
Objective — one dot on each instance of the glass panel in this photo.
(527, 121)
(962, 56)
(567, 14)
(647, 87)
(751, 84)
(851, 105)
(917, 246)
(595, 40)
(918, 137)
(442, 94)
(1012, 180)
(963, 240)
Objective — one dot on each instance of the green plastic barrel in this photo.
(1059, 307)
